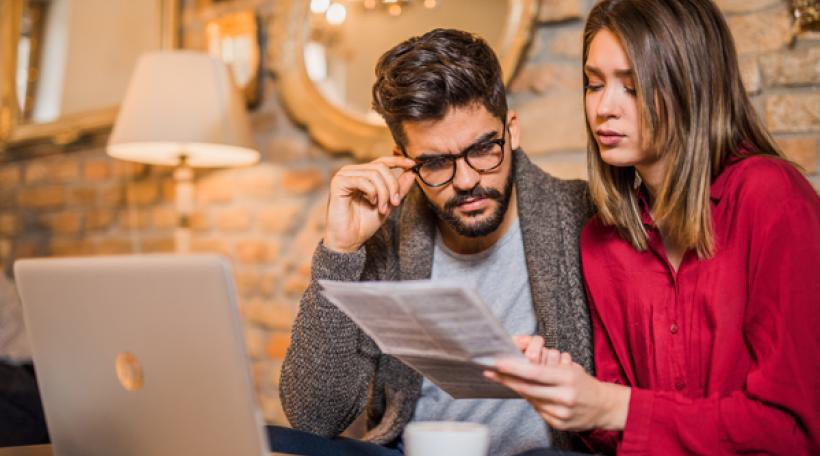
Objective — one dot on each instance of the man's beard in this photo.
(488, 224)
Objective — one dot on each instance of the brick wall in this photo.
(268, 218)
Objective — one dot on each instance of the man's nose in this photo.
(466, 178)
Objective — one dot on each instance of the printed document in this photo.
(441, 329)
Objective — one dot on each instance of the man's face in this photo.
(473, 203)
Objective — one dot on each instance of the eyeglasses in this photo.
(440, 170)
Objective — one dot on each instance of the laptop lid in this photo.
(140, 355)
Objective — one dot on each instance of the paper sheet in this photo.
(441, 329)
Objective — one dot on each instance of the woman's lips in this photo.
(609, 138)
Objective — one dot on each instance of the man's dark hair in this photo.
(425, 76)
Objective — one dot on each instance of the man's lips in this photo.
(472, 204)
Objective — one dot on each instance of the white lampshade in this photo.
(182, 103)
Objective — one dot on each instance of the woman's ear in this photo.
(514, 129)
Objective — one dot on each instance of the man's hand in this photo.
(361, 199)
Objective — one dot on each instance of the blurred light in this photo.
(336, 14)
(394, 10)
(430, 4)
(369, 4)
(319, 6)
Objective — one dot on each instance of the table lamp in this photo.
(182, 109)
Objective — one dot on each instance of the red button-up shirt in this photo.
(723, 356)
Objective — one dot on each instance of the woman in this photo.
(703, 264)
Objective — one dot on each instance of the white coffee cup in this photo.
(446, 438)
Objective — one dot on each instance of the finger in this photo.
(553, 357)
(364, 187)
(406, 181)
(552, 421)
(377, 180)
(528, 389)
(521, 342)
(550, 375)
(534, 349)
(566, 359)
(392, 183)
(396, 161)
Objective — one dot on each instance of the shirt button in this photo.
(680, 385)
(673, 329)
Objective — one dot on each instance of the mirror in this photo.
(65, 64)
(325, 53)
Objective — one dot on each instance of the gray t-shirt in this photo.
(500, 276)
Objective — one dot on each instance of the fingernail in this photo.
(396, 199)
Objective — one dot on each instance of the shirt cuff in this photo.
(636, 432)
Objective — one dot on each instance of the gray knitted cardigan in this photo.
(333, 371)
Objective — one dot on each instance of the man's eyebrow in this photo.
(486, 137)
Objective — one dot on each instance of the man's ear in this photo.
(514, 129)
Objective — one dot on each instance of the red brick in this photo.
(159, 244)
(164, 218)
(97, 170)
(53, 170)
(259, 182)
(42, 197)
(247, 281)
(215, 190)
(257, 251)
(99, 219)
(279, 217)
(269, 314)
(169, 190)
(27, 249)
(277, 345)
(8, 199)
(803, 150)
(129, 169)
(296, 284)
(9, 175)
(234, 219)
(142, 193)
(210, 245)
(10, 224)
(113, 246)
(70, 247)
(84, 196)
(134, 219)
(62, 222)
(302, 181)
(113, 196)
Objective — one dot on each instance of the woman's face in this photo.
(611, 103)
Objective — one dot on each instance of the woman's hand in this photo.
(561, 391)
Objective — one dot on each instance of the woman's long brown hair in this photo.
(692, 106)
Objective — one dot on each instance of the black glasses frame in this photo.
(501, 142)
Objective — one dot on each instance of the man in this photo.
(459, 201)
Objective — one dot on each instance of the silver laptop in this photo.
(140, 355)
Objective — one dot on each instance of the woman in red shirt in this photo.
(702, 265)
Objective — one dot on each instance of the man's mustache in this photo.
(476, 192)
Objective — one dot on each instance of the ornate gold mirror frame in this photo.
(339, 130)
(67, 128)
